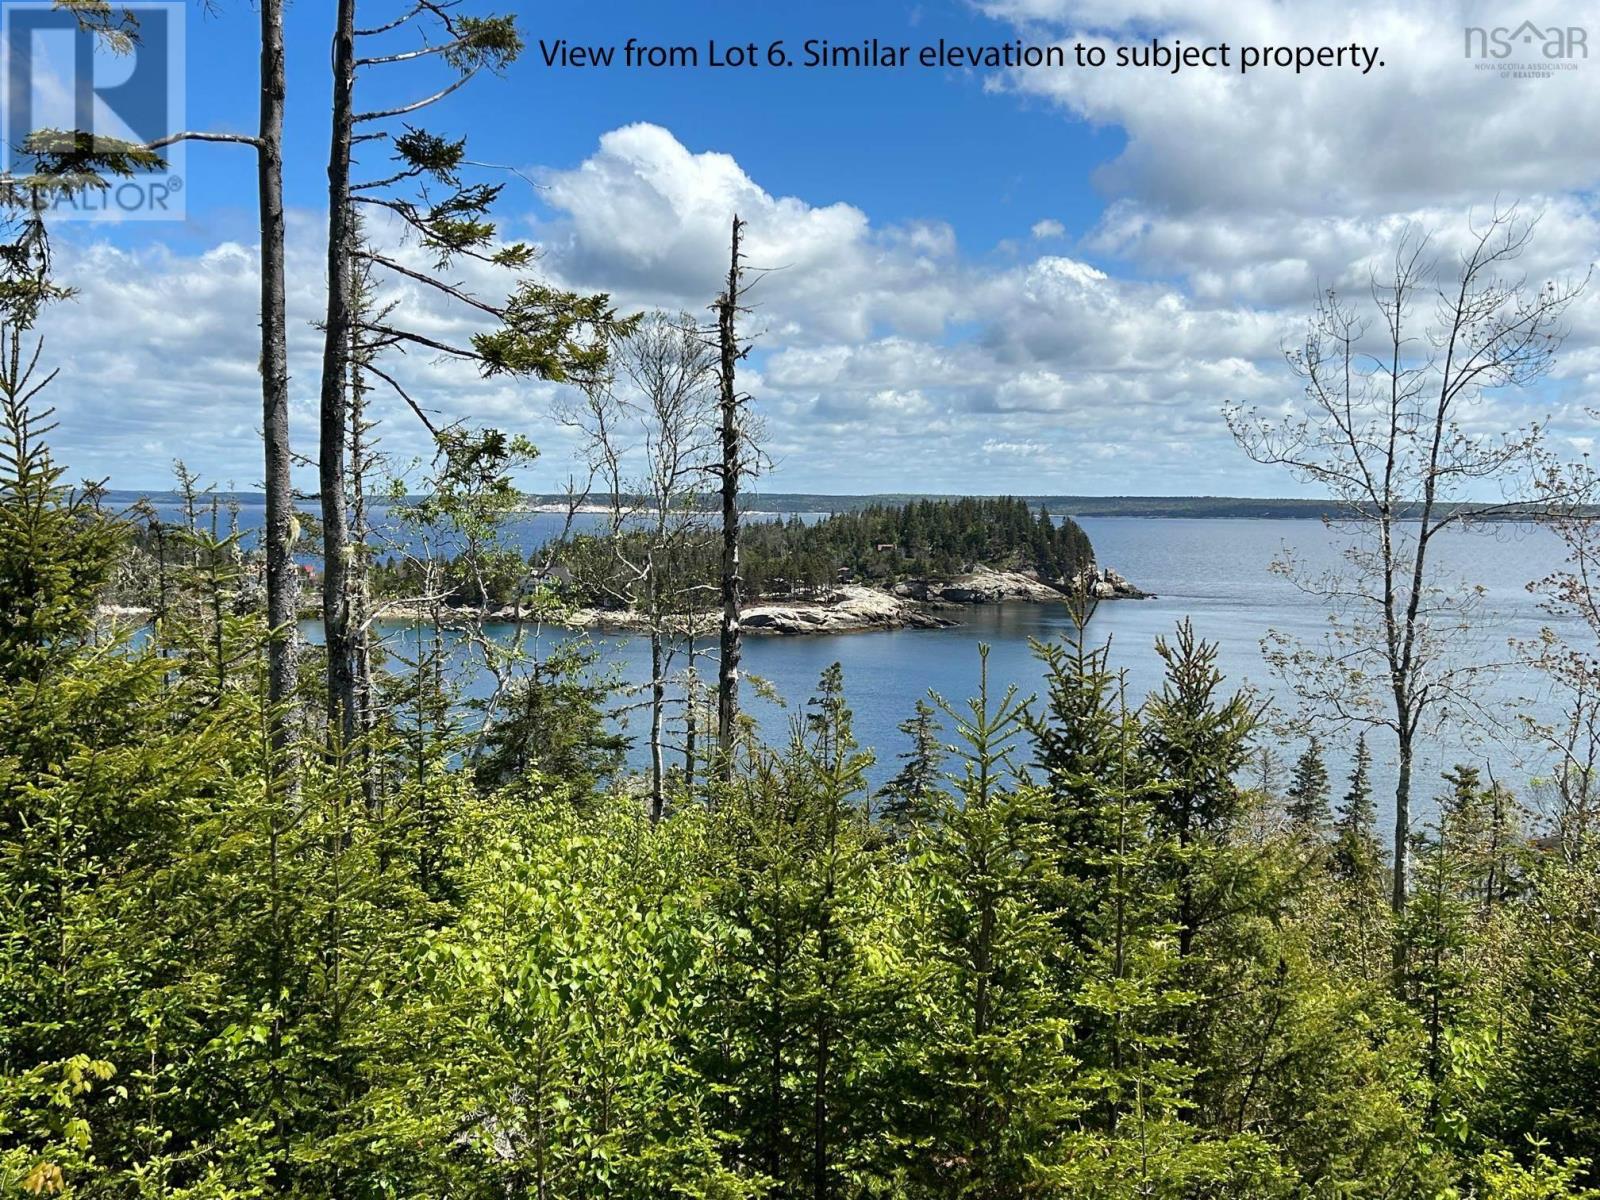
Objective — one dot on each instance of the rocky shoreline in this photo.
(917, 605)
(847, 608)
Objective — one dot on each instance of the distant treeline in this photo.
(1256, 508)
(1272, 508)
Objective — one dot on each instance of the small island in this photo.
(914, 565)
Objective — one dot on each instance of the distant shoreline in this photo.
(773, 505)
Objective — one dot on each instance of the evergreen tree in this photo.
(1485, 828)
(996, 1112)
(1357, 853)
(1307, 797)
(839, 1129)
(1076, 744)
(797, 995)
(553, 727)
(1551, 1028)
(57, 550)
(1438, 980)
(1198, 741)
(904, 800)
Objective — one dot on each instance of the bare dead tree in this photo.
(736, 462)
(64, 162)
(651, 443)
(283, 580)
(332, 458)
(425, 193)
(363, 460)
(671, 371)
(1387, 431)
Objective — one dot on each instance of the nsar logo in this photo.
(1552, 43)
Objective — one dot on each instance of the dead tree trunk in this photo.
(360, 580)
(658, 700)
(283, 585)
(731, 644)
(336, 616)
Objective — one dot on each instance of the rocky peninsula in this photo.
(853, 608)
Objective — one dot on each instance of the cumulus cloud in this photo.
(1260, 185)
(158, 355)
(1427, 127)
(890, 356)
(645, 216)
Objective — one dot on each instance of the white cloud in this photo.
(891, 357)
(1259, 185)
(645, 216)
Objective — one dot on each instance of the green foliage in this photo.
(48, 1143)
(1307, 797)
(927, 539)
(932, 540)
(1199, 742)
(1357, 854)
(552, 726)
(555, 1006)
(904, 801)
(66, 161)
(1078, 742)
(484, 42)
(996, 1058)
(551, 334)
(1546, 1081)
(57, 549)
(483, 971)
(113, 23)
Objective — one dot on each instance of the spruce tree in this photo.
(834, 1004)
(1307, 797)
(993, 1063)
(1198, 740)
(903, 801)
(57, 550)
(1438, 975)
(1076, 744)
(1357, 854)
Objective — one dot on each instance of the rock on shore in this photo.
(848, 609)
(1108, 585)
(844, 609)
(987, 586)
(981, 586)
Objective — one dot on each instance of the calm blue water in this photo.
(1214, 572)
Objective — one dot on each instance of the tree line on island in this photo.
(881, 545)
(380, 917)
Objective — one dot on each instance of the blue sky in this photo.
(1032, 281)
(901, 145)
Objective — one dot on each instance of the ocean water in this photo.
(1216, 573)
